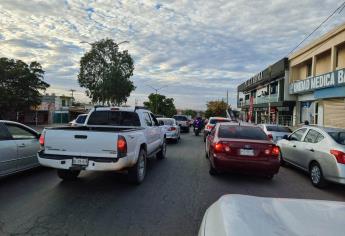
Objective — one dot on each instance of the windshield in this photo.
(180, 118)
(276, 128)
(339, 137)
(241, 132)
(114, 118)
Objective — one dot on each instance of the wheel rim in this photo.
(141, 167)
(315, 174)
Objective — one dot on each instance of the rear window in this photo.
(215, 121)
(276, 128)
(115, 118)
(81, 119)
(166, 122)
(241, 132)
(339, 137)
(180, 118)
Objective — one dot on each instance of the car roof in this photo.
(237, 124)
(325, 128)
(218, 117)
(273, 125)
(165, 118)
(118, 108)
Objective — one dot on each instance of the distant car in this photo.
(241, 148)
(19, 145)
(320, 151)
(275, 132)
(211, 122)
(182, 121)
(79, 121)
(243, 215)
(170, 127)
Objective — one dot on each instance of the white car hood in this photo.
(241, 215)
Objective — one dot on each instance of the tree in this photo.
(189, 112)
(20, 85)
(105, 73)
(216, 108)
(159, 104)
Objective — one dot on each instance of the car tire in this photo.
(316, 175)
(68, 174)
(137, 173)
(162, 153)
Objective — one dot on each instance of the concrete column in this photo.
(313, 66)
(333, 58)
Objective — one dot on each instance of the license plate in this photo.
(246, 152)
(80, 161)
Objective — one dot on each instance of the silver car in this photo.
(19, 145)
(170, 127)
(318, 150)
(275, 132)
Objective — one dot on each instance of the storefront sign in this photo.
(331, 79)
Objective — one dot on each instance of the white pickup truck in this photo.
(112, 139)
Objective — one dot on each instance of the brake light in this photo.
(275, 151)
(209, 127)
(172, 129)
(270, 136)
(41, 139)
(221, 147)
(121, 147)
(339, 155)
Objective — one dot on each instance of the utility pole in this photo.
(72, 91)
(227, 98)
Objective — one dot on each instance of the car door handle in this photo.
(312, 150)
(22, 145)
(294, 146)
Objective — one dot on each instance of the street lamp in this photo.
(115, 43)
(156, 89)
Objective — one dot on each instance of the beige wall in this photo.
(321, 50)
(323, 63)
(341, 57)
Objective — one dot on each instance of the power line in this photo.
(340, 8)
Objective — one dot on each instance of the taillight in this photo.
(209, 127)
(270, 136)
(121, 147)
(339, 155)
(272, 151)
(41, 140)
(172, 129)
(221, 147)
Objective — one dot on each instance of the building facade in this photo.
(265, 97)
(317, 80)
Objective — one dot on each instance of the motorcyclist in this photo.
(198, 123)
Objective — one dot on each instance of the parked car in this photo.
(182, 121)
(18, 147)
(113, 139)
(79, 121)
(275, 132)
(241, 148)
(243, 215)
(170, 127)
(320, 151)
(212, 121)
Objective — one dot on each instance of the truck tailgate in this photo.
(81, 143)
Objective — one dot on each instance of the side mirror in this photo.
(286, 137)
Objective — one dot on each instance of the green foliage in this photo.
(105, 73)
(20, 85)
(189, 112)
(161, 105)
(216, 108)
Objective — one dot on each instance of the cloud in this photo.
(198, 49)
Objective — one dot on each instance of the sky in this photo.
(195, 50)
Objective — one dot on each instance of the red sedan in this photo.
(241, 148)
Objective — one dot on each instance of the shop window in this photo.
(63, 103)
(307, 112)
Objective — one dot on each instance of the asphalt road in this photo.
(171, 201)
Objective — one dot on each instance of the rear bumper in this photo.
(337, 175)
(258, 167)
(171, 135)
(94, 163)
